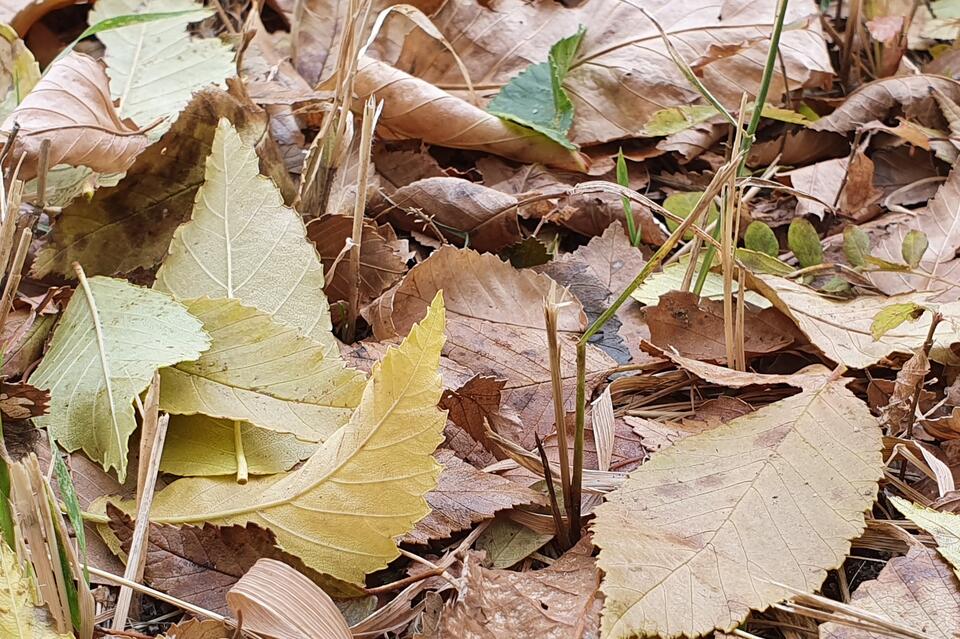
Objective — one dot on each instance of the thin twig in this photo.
(927, 345)
(562, 535)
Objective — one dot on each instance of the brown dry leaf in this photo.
(841, 329)
(468, 214)
(622, 74)
(627, 449)
(559, 602)
(199, 564)
(415, 109)
(655, 436)
(465, 496)
(20, 400)
(824, 181)
(71, 107)
(918, 591)
(495, 327)
(913, 94)
(196, 629)
(383, 258)
(809, 377)
(895, 415)
(276, 601)
(471, 408)
(596, 274)
(129, 226)
(694, 327)
(696, 537)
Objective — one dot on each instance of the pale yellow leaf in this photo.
(263, 372)
(944, 526)
(19, 619)
(20, 72)
(341, 511)
(697, 537)
(242, 242)
(104, 352)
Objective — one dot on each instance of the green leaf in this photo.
(675, 119)
(623, 179)
(762, 263)
(111, 339)
(890, 317)
(804, 241)
(856, 245)
(155, 68)
(19, 618)
(914, 245)
(262, 372)
(536, 98)
(944, 526)
(508, 543)
(682, 204)
(69, 495)
(761, 238)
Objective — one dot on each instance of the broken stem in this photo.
(576, 488)
(562, 533)
(243, 471)
(551, 312)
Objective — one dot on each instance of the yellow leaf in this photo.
(19, 619)
(243, 242)
(697, 537)
(365, 486)
(945, 528)
(263, 372)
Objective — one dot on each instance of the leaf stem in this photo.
(243, 471)
(927, 345)
(551, 312)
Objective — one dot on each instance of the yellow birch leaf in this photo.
(104, 352)
(242, 242)
(945, 528)
(19, 618)
(704, 532)
(263, 372)
(341, 511)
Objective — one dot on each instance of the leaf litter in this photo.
(644, 322)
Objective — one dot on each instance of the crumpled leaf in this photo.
(558, 602)
(342, 509)
(465, 496)
(917, 591)
(696, 537)
(416, 109)
(495, 327)
(19, 618)
(100, 359)
(198, 445)
(842, 329)
(129, 226)
(242, 242)
(263, 372)
(155, 67)
(535, 98)
(622, 74)
(944, 526)
(20, 72)
(71, 107)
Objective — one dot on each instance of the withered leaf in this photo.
(465, 496)
(20, 400)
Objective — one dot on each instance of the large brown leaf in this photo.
(465, 496)
(414, 109)
(129, 226)
(622, 73)
(71, 107)
(495, 327)
(704, 531)
(559, 602)
(918, 591)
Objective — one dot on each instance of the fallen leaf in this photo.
(670, 278)
(274, 600)
(20, 72)
(242, 242)
(383, 258)
(263, 372)
(71, 107)
(196, 629)
(897, 413)
(102, 355)
(155, 67)
(917, 591)
(416, 109)
(944, 526)
(841, 329)
(465, 496)
(397, 426)
(558, 602)
(198, 445)
(506, 543)
(129, 226)
(495, 327)
(622, 75)
(467, 213)
(20, 400)
(19, 618)
(876, 100)
(695, 327)
(695, 538)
